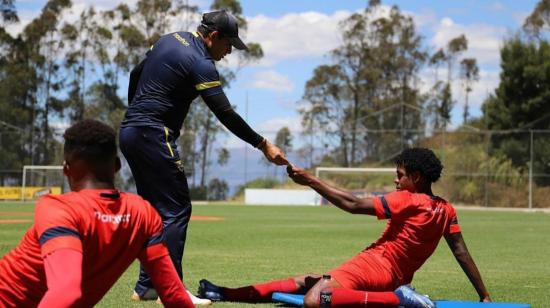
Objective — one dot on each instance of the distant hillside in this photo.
(243, 167)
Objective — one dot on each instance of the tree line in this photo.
(58, 71)
(373, 83)
(364, 106)
(368, 103)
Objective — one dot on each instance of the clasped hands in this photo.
(275, 155)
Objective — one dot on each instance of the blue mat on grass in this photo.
(298, 300)
(288, 298)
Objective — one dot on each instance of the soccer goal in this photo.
(360, 181)
(38, 181)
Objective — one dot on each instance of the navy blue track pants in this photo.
(158, 172)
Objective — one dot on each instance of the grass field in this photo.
(257, 243)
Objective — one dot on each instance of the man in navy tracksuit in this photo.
(178, 68)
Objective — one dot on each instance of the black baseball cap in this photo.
(226, 24)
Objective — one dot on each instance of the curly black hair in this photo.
(422, 160)
(90, 140)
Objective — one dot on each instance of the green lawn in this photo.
(258, 243)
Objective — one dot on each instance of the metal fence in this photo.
(482, 168)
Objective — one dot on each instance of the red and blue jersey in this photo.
(416, 223)
(110, 228)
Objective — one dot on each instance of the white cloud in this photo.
(25, 17)
(497, 7)
(273, 125)
(70, 15)
(519, 17)
(177, 23)
(488, 81)
(307, 34)
(484, 43)
(291, 36)
(272, 80)
(425, 17)
(486, 85)
(102, 4)
(295, 35)
(484, 40)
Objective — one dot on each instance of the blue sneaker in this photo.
(210, 291)
(409, 298)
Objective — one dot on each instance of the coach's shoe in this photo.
(210, 290)
(150, 295)
(409, 298)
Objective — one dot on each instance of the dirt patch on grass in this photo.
(14, 221)
(16, 213)
(206, 218)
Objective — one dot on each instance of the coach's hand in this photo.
(273, 153)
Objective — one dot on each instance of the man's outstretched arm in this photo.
(460, 251)
(340, 198)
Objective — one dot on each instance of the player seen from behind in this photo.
(82, 241)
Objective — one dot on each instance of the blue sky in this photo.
(297, 35)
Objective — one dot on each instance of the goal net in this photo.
(38, 181)
(360, 181)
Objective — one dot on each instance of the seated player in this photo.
(379, 275)
(83, 241)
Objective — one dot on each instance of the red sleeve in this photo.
(452, 226)
(63, 269)
(392, 205)
(154, 247)
(57, 225)
(166, 281)
(154, 251)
